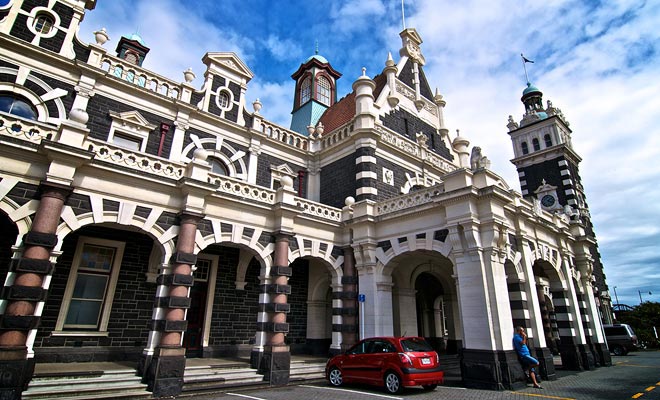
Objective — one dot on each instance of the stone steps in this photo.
(117, 384)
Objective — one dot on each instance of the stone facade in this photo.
(148, 221)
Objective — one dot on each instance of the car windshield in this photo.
(415, 344)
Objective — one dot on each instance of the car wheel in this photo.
(392, 383)
(430, 387)
(618, 351)
(335, 377)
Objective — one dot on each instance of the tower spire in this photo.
(403, 15)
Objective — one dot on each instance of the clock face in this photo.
(547, 200)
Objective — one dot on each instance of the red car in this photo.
(394, 362)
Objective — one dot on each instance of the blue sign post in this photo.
(361, 299)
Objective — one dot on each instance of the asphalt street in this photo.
(635, 376)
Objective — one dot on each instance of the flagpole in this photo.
(524, 67)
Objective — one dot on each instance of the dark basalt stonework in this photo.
(165, 375)
(546, 364)
(16, 374)
(492, 370)
(275, 367)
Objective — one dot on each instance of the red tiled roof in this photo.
(344, 110)
(340, 113)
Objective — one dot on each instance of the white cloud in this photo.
(284, 49)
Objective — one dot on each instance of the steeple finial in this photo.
(316, 49)
(403, 16)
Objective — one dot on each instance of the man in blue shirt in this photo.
(528, 362)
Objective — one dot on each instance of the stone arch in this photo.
(37, 100)
(214, 146)
(423, 241)
(17, 213)
(235, 236)
(332, 263)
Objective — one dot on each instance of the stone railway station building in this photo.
(148, 220)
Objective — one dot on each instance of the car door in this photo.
(353, 362)
(376, 360)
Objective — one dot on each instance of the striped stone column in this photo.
(568, 346)
(349, 306)
(165, 369)
(25, 289)
(276, 360)
(366, 176)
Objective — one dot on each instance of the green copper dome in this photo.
(137, 38)
(318, 57)
(530, 89)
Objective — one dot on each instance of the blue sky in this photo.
(599, 61)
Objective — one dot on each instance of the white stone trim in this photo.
(365, 159)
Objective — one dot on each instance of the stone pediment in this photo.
(132, 119)
(228, 61)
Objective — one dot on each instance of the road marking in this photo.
(648, 389)
(352, 391)
(638, 395)
(245, 396)
(543, 396)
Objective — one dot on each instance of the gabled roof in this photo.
(230, 61)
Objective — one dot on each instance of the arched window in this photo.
(525, 148)
(17, 105)
(218, 167)
(131, 57)
(43, 23)
(305, 90)
(223, 100)
(548, 140)
(535, 144)
(323, 90)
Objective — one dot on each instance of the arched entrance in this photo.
(311, 318)
(425, 302)
(224, 302)
(101, 296)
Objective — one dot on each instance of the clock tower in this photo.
(548, 169)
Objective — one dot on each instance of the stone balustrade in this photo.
(141, 77)
(31, 131)
(283, 135)
(318, 210)
(409, 200)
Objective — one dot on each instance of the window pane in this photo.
(83, 312)
(90, 287)
(323, 91)
(305, 91)
(126, 142)
(223, 100)
(12, 104)
(97, 257)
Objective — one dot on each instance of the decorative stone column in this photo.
(165, 368)
(276, 359)
(349, 309)
(26, 288)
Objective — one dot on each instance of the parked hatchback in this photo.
(391, 362)
(620, 339)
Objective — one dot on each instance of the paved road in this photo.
(635, 376)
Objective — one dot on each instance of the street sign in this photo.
(361, 298)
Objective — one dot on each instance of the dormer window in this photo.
(131, 57)
(305, 90)
(323, 90)
(524, 147)
(43, 23)
(535, 144)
